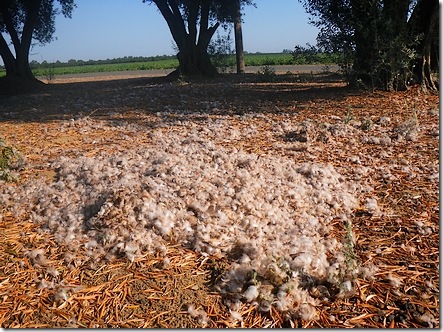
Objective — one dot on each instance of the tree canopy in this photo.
(388, 42)
(25, 21)
(192, 24)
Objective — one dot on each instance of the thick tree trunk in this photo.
(426, 74)
(365, 38)
(381, 44)
(424, 20)
(22, 51)
(7, 56)
(22, 68)
(195, 61)
(394, 73)
(18, 67)
(193, 55)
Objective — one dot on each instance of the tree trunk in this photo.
(22, 64)
(424, 20)
(365, 38)
(393, 30)
(193, 55)
(18, 67)
(381, 44)
(194, 61)
(7, 56)
(239, 53)
(22, 51)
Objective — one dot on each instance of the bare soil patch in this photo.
(386, 141)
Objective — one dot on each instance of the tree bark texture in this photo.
(238, 34)
(425, 20)
(385, 41)
(192, 41)
(366, 42)
(18, 66)
(394, 17)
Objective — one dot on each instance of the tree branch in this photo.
(6, 54)
(7, 19)
(32, 13)
(170, 11)
(192, 20)
(206, 33)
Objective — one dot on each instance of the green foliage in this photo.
(193, 24)
(266, 74)
(25, 22)
(268, 59)
(349, 116)
(350, 256)
(334, 20)
(49, 72)
(313, 55)
(222, 11)
(220, 50)
(97, 68)
(7, 158)
(367, 124)
(19, 11)
(124, 60)
(392, 65)
(163, 62)
(377, 42)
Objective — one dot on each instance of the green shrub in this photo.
(7, 158)
(266, 74)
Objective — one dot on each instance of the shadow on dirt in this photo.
(229, 94)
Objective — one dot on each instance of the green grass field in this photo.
(262, 59)
(257, 59)
(161, 64)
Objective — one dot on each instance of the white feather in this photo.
(187, 185)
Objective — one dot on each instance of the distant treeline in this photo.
(301, 56)
(75, 63)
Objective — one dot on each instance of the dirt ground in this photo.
(396, 137)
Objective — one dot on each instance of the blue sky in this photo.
(101, 29)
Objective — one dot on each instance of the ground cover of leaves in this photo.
(387, 141)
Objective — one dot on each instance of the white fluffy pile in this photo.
(269, 215)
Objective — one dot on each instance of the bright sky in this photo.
(101, 29)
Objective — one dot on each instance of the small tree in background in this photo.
(305, 55)
(24, 21)
(219, 50)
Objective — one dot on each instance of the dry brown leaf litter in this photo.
(325, 122)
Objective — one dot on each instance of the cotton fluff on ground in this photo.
(270, 215)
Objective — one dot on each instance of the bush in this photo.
(309, 54)
(266, 74)
(220, 52)
(7, 158)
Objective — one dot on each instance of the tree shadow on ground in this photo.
(229, 94)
